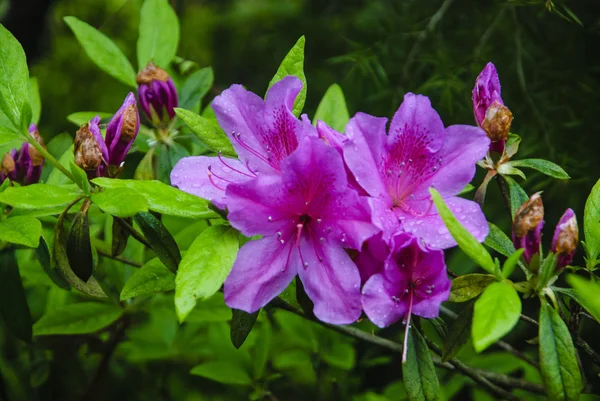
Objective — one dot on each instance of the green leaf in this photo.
(10, 138)
(14, 79)
(80, 178)
(195, 87)
(591, 223)
(558, 361)
(163, 198)
(13, 303)
(120, 202)
(204, 267)
(103, 51)
(241, 325)
(82, 117)
(496, 312)
(91, 287)
(293, 64)
(547, 271)
(517, 195)
(39, 196)
(80, 318)
(260, 354)
(21, 230)
(469, 286)
(120, 235)
(159, 34)
(511, 263)
(418, 373)
(223, 372)
(543, 166)
(152, 278)
(56, 176)
(163, 243)
(79, 247)
(332, 109)
(499, 241)
(34, 100)
(466, 242)
(208, 131)
(587, 292)
(458, 333)
(468, 188)
(45, 255)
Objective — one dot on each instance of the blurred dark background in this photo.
(547, 54)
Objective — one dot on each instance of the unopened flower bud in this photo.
(122, 130)
(36, 157)
(90, 150)
(527, 226)
(488, 107)
(157, 93)
(565, 239)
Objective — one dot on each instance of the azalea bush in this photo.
(251, 251)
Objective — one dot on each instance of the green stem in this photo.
(49, 157)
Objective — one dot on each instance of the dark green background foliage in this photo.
(377, 50)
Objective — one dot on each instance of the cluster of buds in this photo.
(100, 157)
(157, 94)
(23, 166)
(527, 232)
(490, 112)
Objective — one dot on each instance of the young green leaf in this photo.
(80, 178)
(159, 34)
(543, 166)
(91, 287)
(469, 286)
(517, 195)
(204, 267)
(57, 177)
(120, 235)
(496, 312)
(332, 109)
(34, 100)
(102, 51)
(208, 131)
(80, 318)
(587, 293)
(547, 271)
(195, 87)
(121, 202)
(591, 223)
(558, 361)
(163, 198)
(466, 242)
(499, 241)
(458, 333)
(163, 243)
(223, 372)
(14, 79)
(13, 303)
(241, 325)
(511, 263)
(293, 64)
(152, 278)
(45, 256)
(418, 373)
(79, 247)
(21, 230)
(39, 196)
(82, 117)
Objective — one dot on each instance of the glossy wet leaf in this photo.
(293, 64)
(418, 373)
(159, 34)
(79, 318)
(332, 109)
(163, 243)
(153, 277)
(21, 230)
(241, 325)
(208, 131)
(469, 286)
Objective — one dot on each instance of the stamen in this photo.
(210, 178)
(232, 168)
(237, 137)
(405, 345)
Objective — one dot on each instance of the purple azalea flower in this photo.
(527, 226)
(490, 112)
(157, 94)
(398, 169)
(307, 215)
(372, 256)
(565, 239)
(263, 133)
(25, 165)
(122, 130)
(413, 281)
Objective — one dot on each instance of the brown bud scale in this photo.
(151, 73)
(130, 121)
(529, 215)
(567, 240)
(8, 164)
(496, 124)
(88, 155)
